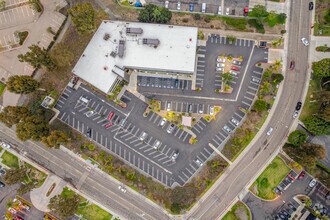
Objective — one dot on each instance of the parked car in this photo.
(312, 183)
(89, 113)
(203, 7)
(220, 69)
(235, 68)
(302, 175)
(143, 136)
(270, 130)
(170, 128)
(236, 122)
(110, 115)
(162, 122)
(219, 10)
(236, 62)
(89, 132)
(292, 65)
(168, 106)
(305, 41)
(295, 114)
(226, 128)
(2, 184)
(220, 65)
(198, 162)
(298, 106)
(310, 6)
(200, 109)
(232, 72)
(156, 145)
(190, 108)
(292, 207)
(211, 110)
(5, 145)
(277, 191)
(178, 7)
(108, 125)
(221, 60)
(175, 155)
(227, 11)
(167, 4)
(256, 80)
(191, 7)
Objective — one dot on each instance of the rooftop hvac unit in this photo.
(121, 48)
(149, 41)
(131, 30)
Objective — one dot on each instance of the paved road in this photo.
(221, 195)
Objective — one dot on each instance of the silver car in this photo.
(295, 114)
(270, 131)
(256, 80)
(143, 136)
(234, 121)
(170, 128)
(156, 145)
(175, 155)
(198, 162)
(226, 128)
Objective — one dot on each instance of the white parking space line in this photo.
(185, 137)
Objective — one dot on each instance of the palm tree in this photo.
(227, 78)
(277, 65)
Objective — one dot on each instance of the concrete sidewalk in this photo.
(39, 196)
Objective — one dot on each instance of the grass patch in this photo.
(93, 212)
(2, 88)
(67, 193)
(270, 178)
(231, 214)
(311, 105)
(0, 149)
(237, 23)
(22, 36)
(322, 18)
(10, 160)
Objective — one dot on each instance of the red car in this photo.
(110, 116)
(292, 65)
(235, 68)
(108, 125)
(246, 11)
(301, 175)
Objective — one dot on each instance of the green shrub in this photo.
(185, 20)
(22, 36)
(257, 25)
(197, 16)
(207, 19)
(237, 23)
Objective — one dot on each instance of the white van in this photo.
(84, 99)
(204, 7)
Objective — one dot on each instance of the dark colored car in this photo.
(191, 7)
(298, 106)
(311, 6)
(89, 132)
(292, 207)
(292, 65)
(2, 184)
(301, 175)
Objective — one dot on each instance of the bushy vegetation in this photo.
(154, 14)
(237, 23)
(83, 18)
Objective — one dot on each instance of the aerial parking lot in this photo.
(148, 140)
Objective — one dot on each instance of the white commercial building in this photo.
(153, 48)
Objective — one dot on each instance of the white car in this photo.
(226, 128)
(211, 110)
(168, 106)
(122, 189)
(175, 155)
(219, 10)
(170, 128)
(221, 69)
(295, 114)
(220, 65)
(227, 11)
(5, 145)
(162, 122)
(270, 130)
(256, 80)
(232, 72)
(221, 60)
(143, 136)
(312, 183)
(166, 4)
(178, 6)
(89, 113)
(305, 41)
(156, 145)
(234, 121)
(198, 162)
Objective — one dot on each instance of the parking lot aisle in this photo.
(200, 71)
(17, 16)
(199, 126)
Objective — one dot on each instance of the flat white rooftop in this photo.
(102, 60)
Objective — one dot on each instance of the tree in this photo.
(227, 78)
(32, 127)
(321, 68)
(24, 188)
(61, 55)
(154, 14)
(315, 150)
(14, 176)
(2, 5)
(298, 137)
(231, 39)
(316, 126)
(83, 18)
(64, 206)
(259, 11)
(277, 78)
(13, 114)
(37, 57)
(55, 139)
(22, 84)
(260, 105)
(281, 18)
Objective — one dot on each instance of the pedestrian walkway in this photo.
(53, 186)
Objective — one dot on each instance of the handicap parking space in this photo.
(17, 16)
(163, 84)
